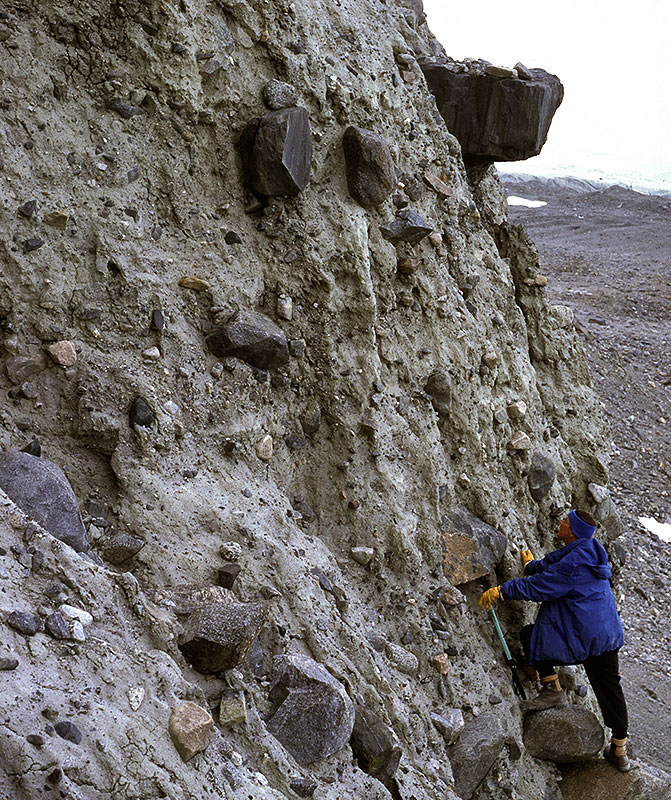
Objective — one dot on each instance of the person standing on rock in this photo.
(577, 623)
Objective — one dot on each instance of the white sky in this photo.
(614, 60)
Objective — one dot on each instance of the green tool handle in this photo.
(501, 637)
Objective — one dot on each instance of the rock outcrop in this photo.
(496, 114)
(251, 378)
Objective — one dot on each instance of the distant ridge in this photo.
(578, 185)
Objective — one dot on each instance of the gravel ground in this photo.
(607, 254)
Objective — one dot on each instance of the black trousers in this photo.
(603, 673)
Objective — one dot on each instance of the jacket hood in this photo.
(586, 553)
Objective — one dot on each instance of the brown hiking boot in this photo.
(617, 754)
(550, 696)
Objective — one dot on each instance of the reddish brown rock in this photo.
(63, 353)
(190, 727)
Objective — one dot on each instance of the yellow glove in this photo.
(487, 598)
(527, 556)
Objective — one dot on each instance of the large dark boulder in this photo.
(371, 176)
(375, 745)
(407, 226)
(541, 476)
(218, 635)
(312, 715)
(41, 490)
(563, 735)
(471, 547)
(495, 118)
(252, 337)
(276, 152)
(479, 745)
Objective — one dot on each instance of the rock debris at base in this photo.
(279, 402)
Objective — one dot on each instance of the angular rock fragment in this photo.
(63, 353)
(57, 625)
(24, 622)
(140, 413)
(276, 152)
(407, 226)
(41, 490)
(218, 636)
(375, 745)
(541, 476)
(312, 716)
(232, 707)
(32, 244)
(120, 547)
(479, 745)
(519, 441)
(19, 368)
(471, 547)
(563, 735)
(450, 724)
(190, 727)
(227, 574)
(252, 337)
(56, 219)
(439, 388)
(371, 176)
(126, 110)
(28, 209)
(494, 118)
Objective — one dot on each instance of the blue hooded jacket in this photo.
(577, 617)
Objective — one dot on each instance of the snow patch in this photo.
(661, 529)
(513, 200)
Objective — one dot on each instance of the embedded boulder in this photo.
(218, 636)
(439, 388)
(371, 176)
(312, 715)
(375, 745)
(563, 735)
(190, 727)
(495, 118)
(42, 491)
(276, 152)
(479, 745)
(252, 337)
(541, 475)
(407, 226)
(471, 547)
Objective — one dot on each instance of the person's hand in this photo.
(527, 556)
(487, 598)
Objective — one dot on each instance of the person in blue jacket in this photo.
(577, 623)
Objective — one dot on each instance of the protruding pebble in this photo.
(68, 730)
(63, 353)
(194, 283)
(264, 448)
(140, 413)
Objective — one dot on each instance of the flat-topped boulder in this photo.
(495, 118)
(563, 735)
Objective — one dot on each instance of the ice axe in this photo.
(517, 683)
